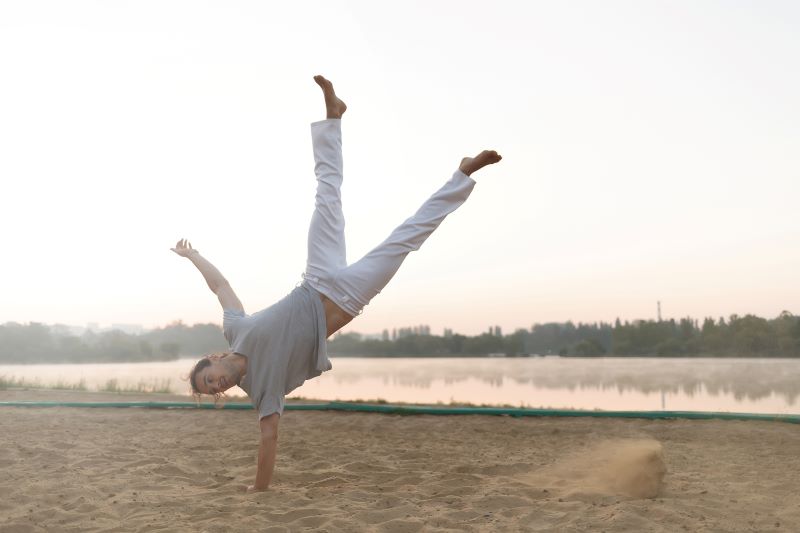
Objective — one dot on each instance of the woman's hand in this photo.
(214, 278)
(184, 248)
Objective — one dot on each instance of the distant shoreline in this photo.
(737, 336)
(413, 356)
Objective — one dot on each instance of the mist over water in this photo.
(611, 383)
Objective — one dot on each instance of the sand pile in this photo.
(629, 468)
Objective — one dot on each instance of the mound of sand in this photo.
(632, 468)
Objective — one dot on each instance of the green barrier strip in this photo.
(429, 410)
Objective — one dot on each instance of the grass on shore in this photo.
(22, 383)
(451, 403)
(112, 385)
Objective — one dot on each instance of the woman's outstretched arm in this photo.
(216, 281)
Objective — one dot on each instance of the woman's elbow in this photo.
(219, 284)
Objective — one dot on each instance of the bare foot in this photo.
(333, 104)
(472, 164)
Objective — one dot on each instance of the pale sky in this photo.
(651, 152)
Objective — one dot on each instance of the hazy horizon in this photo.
(130, 327)
(650, 153)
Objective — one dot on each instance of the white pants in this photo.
(352, 287)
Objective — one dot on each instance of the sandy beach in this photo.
(79, 469)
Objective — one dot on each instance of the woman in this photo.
(275, 350)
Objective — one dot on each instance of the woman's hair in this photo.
(201, 364)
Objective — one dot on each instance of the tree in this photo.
(590, 347)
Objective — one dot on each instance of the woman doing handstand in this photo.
(273, 351)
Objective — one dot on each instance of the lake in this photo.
(607, 383)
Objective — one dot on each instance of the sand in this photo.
(71, 469)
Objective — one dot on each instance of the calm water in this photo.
(740, 385)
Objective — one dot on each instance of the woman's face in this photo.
(218, 377)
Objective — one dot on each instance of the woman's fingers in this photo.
(182, 246)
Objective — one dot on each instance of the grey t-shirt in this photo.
(284, 345)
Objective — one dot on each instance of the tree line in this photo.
(747, 336)
(40, 343)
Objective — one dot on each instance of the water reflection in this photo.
(742, 379)
(755, 385)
